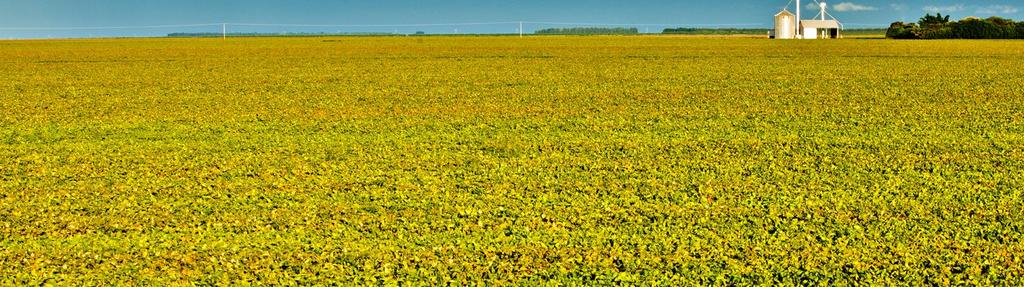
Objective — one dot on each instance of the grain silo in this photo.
(785, 25)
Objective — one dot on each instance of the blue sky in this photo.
(44, 14)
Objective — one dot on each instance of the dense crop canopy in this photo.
(594, 160)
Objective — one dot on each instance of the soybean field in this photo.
(559, 160)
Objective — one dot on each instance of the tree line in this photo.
(588, 31)
(940, 27)
(713, 31)
(256, 34)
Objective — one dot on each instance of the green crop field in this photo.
(511, 161)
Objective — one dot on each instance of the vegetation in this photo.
(508, 161)
(864, 32)
(715, 31)
(940, 27)
(588, 31)
(289, 34)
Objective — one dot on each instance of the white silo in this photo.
(785, 25)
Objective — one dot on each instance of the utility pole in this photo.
(224, 30)
(520, 29)
(799, 34)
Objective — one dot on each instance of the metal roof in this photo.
(820, 24)
(784, 12)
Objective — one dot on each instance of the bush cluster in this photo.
(940, 27)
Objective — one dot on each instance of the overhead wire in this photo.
(367, 25)
(107, 27)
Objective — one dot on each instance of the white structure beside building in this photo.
(790, 26)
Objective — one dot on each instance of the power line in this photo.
(106, 27)
(365, 25)
(867, 25)
(371, 25)
(642, 24)
(225, 27)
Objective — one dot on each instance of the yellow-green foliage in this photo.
(580, 160)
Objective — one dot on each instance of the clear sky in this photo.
(17, 15)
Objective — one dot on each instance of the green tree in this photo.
(928, 20)
(1006, 27)
(974, 28)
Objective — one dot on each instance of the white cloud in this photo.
(898, 7)
(998, 9)
(944, 9)
(852, 7)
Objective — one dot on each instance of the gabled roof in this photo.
(784, 12)
(820, 24)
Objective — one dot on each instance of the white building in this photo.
(820, 29)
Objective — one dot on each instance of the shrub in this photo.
(940, 32)
(900, 30)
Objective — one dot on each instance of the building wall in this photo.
(811, 33)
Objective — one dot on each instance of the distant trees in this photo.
(714, 31)
(254, 34)
(588, 31)
(940, 27)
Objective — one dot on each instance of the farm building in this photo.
(820, 29)
(790, 26)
